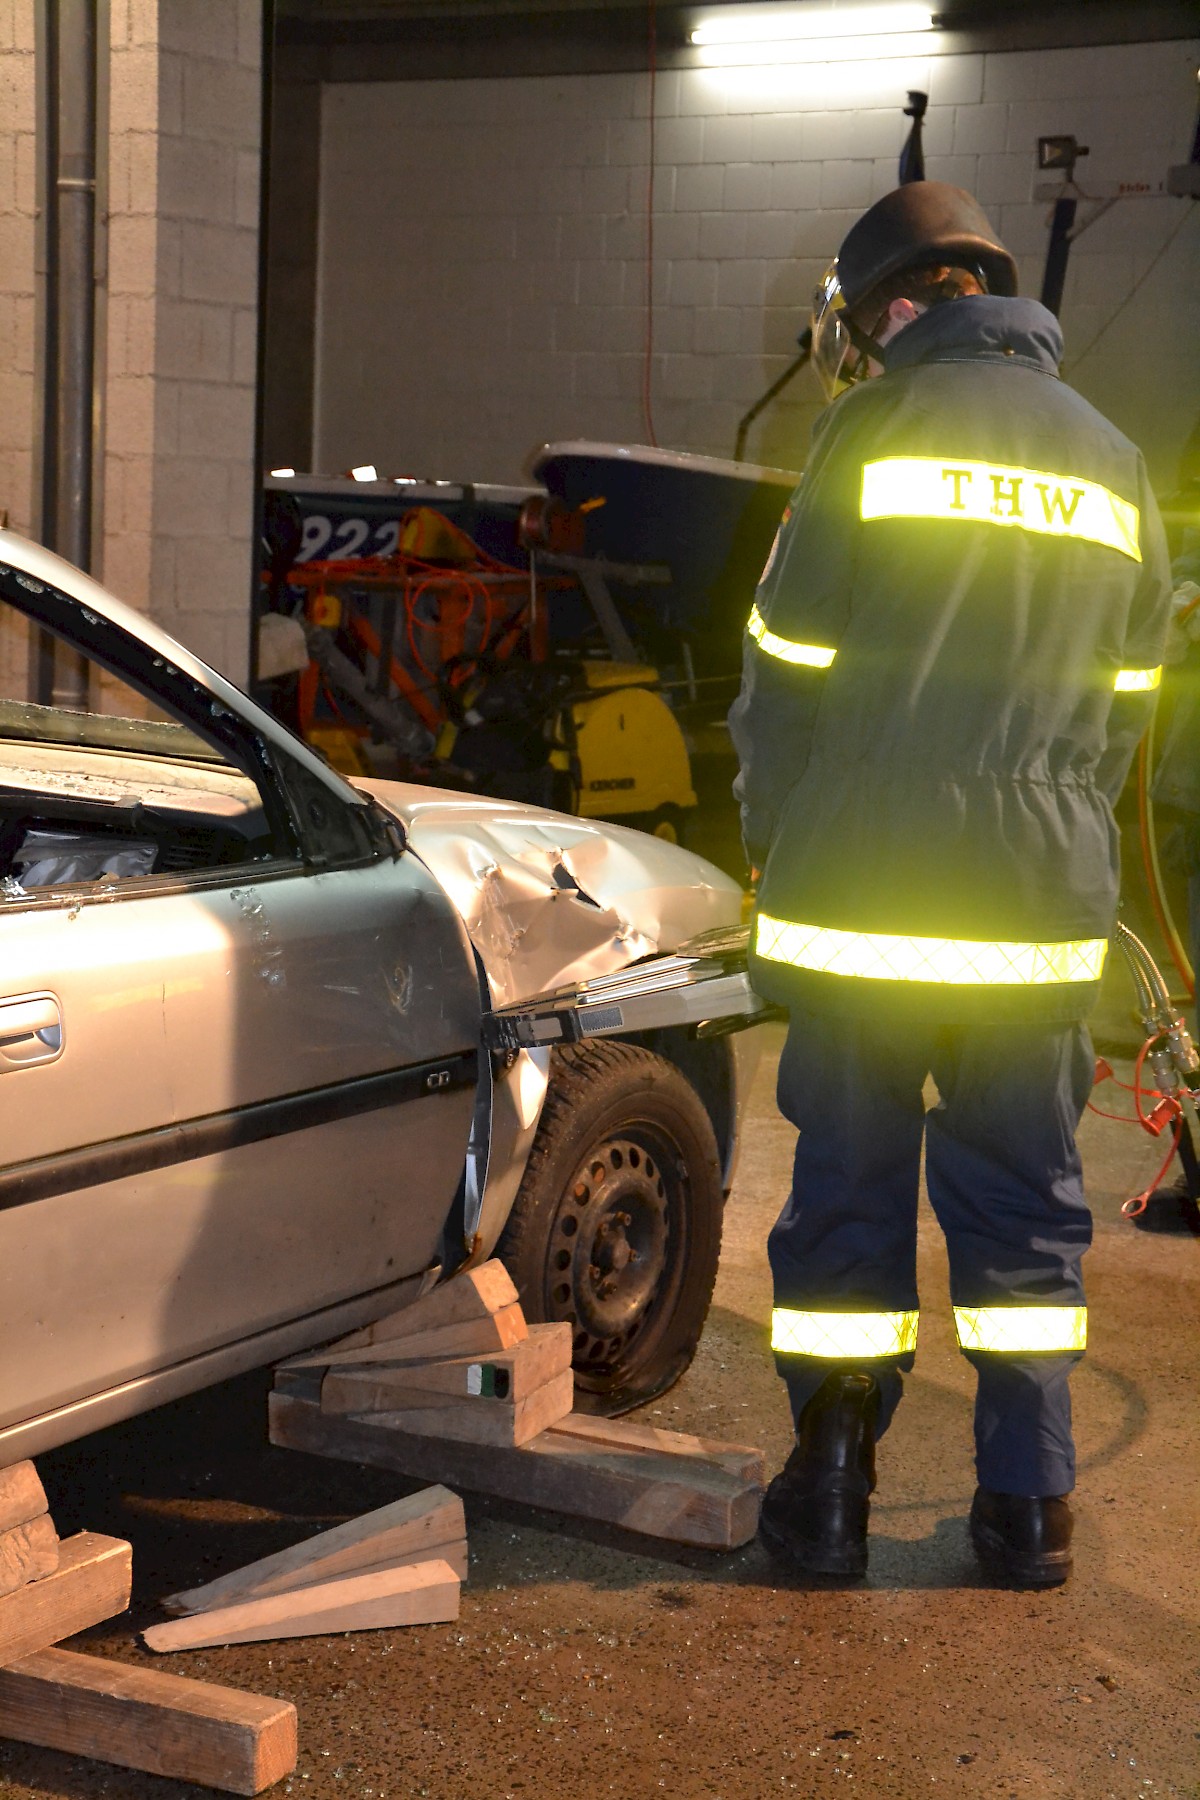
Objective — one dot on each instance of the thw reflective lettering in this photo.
(934, 487)
(1006, 491)
(957, 476)
(1056, 503)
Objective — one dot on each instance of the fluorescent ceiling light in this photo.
(863, 79)
(816, 53)
(365, 472)
(787, 25)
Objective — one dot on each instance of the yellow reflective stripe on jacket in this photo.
(1137, 681)
(1021, 1330)
(960, 961)
(816, 656)
(846, 1336)
(935, 487)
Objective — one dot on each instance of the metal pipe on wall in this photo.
(73, 254)
(257, 532)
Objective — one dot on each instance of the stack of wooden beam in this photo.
(92, 1706)
(426, 1389)
(401, 1565)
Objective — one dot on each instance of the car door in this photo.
(236, 1076)
(323, 1055)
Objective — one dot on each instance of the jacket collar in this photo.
(983, 326)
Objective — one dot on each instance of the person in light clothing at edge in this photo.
(952, 653)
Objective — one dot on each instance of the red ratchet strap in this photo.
(1168, 1111)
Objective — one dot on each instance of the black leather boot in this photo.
(1023, 1540)
(814, 1513)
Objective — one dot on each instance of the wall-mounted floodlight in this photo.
(1061, 152)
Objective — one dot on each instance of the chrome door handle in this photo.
(30, 1031)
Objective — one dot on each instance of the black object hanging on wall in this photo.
(912, 157)
(1060, 153)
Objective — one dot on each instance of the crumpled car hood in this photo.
(549, 900)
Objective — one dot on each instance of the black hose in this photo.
(776, 387)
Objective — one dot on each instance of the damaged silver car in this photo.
(279, 1052)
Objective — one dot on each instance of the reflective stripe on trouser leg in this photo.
(843, 1337)
(843, 1249)
(1021, 1330)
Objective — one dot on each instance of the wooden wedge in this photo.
(91, 1583)
(455, 1553)
(424, 1593)
(415, 1529)
(27, 1553)
(513, 1374)
(475, 1294)
(472, 1337)
(469, 1421)
(148, 1719)
(22, 1496)
(701, 1493)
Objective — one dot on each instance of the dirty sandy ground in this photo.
(585, 1666)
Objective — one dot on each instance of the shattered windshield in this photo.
(102, 731)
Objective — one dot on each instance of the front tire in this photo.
(617, 1224)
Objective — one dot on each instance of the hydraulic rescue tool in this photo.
(1172, 1056)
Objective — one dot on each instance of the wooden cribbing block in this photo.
(663, 1483)
(631, 1434)
(474, 1337)
(22, 1496)
(424, 1593)
(91, 1583)
(475, 1294)
(27, 1553)
(427, 1525)
(473, 1421)
(148, 1719)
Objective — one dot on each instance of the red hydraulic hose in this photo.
(1154, 880)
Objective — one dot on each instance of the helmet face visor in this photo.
(837, 362)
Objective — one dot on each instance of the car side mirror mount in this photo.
(388, 832)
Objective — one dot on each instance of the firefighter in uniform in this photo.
(951, 656)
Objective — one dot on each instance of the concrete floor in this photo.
(584, 1665)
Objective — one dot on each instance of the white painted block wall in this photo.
(185, 103)
(18, 214)
(483, 245)
(177, 349)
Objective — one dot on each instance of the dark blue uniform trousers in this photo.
(1004, 1179)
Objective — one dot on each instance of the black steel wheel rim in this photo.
(618, 1247)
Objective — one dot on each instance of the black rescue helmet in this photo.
(923, 222)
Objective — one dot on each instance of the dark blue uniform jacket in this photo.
(975, 557)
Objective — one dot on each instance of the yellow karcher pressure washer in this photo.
(625, 750)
